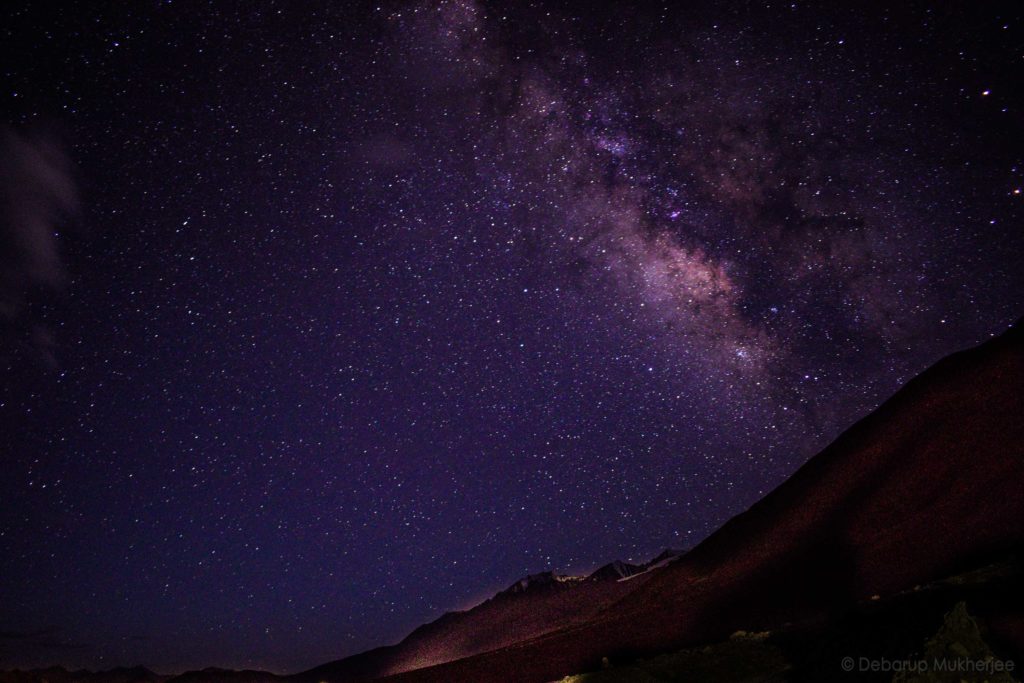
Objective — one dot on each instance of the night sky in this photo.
(318, 322)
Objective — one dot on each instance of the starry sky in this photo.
(320, 320)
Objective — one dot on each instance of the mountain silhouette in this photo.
(926, 486)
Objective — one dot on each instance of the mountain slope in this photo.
(530, 607)
(926, 485)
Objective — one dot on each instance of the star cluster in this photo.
(369, 310)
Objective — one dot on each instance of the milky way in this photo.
(368, 311)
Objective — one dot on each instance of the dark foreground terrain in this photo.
(901, 539)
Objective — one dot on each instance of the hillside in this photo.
(926, 486)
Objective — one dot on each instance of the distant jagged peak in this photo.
(613, 571)
(532, 582)
(617, 570)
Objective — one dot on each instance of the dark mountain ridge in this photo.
(925, 487)
(535, 604)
